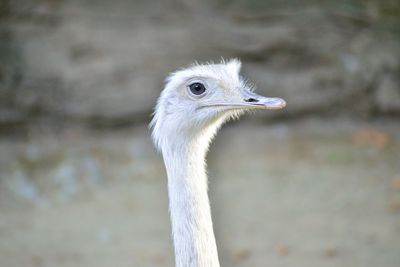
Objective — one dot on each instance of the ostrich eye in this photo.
(197, 88)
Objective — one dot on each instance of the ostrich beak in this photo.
(250, 100)
(262, 102)
(253, 100)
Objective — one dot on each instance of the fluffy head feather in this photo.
(181, 114)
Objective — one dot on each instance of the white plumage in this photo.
(195, 102)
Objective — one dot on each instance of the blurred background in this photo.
(317, 184)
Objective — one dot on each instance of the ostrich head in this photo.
(198, 99)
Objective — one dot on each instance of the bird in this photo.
(195, 102)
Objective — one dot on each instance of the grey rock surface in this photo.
(310, 193)
(103, 62)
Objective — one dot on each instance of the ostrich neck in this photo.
(192, 229)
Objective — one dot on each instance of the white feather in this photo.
(182, 131)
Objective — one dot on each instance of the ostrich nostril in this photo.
(251, 100)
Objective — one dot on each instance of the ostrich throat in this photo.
(189, 206)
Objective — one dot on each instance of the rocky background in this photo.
(102, 63)
(314, 185)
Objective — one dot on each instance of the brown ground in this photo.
(310, 193)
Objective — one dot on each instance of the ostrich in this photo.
(195, 102)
